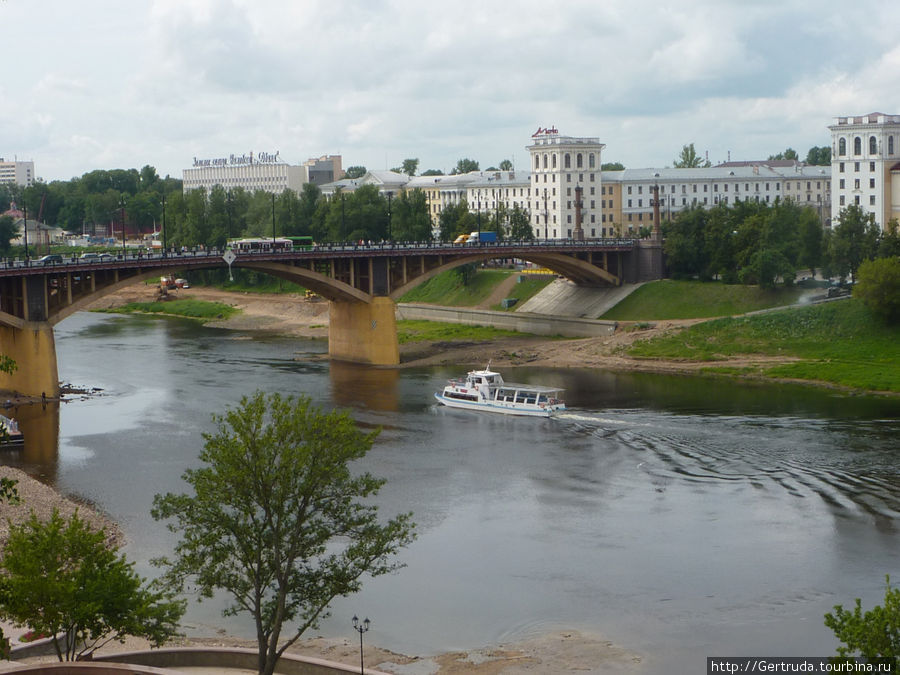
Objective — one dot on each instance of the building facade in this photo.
(865, 163)
(16, 173)
(559, 164)
(261, 171)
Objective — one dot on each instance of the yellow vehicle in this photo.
(461, 239)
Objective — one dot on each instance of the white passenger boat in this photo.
(485, 390)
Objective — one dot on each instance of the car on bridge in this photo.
(49, 259)
(101, 257)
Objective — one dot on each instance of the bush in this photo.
(878, 286)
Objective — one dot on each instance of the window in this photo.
(578, 161)
(842, 146)
(842, 200)
(856, 200)
(856, 184)
(568, 178)
(841, 167)
(871, 166)
(640, 189)
(856, 166)
(568, 192)
(871, 182)
(537, 162)
(873, 145)
(629, 203)
(890, 145)
(872, 200)
(705, 187)
(567, 161)
(857, 146)
(842, 183)
(591, 163)
(640, 202)
(808, 185)
(553, 160)
(546, 159)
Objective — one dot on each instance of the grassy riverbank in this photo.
(192, 309)
(838, 342)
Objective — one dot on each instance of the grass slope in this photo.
(669, 299)
(447, 289)
(838, 342)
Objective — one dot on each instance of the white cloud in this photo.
(156, 82)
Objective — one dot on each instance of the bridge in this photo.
(361, 282)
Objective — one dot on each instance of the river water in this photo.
(678, 517)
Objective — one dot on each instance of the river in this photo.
(679, 517)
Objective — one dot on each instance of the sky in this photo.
(120, 84)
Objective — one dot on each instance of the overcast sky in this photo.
(105, 84)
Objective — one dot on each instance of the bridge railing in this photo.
(327, 247)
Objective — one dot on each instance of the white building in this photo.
(559, 164)
(16, 173)
(865, 165)
(261, 171)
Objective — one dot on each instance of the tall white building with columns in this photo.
(865, 165)
(559, 164)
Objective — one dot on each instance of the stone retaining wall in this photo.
(524, 322)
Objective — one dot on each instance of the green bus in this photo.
(301, 243)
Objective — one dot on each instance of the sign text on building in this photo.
(238, 160)
(545, 132)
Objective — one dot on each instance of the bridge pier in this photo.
(364, 332)
(33, 348)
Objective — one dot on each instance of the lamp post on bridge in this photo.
(25, 214)
(165, 248)
(122, 207)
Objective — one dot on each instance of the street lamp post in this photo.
(390, 195)
(122, 205)
(546, 214)
(361, 628)
(273, 220)
(25, 214)
(165, 248)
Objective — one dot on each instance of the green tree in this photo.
(684, 245)
(874, 634)
(355, 172)
(456, 219)
(811, 240)
(278, 520)
(790, 153)
(465, 165)
(8, 493)
(689, 159)
(506, 165)
(520, 224)
(410, 220)
(889, 246)
(878, 286)
(65, 580)
(819, 156)
(612, 166)
(854, 239)
(8, 232)
(432, 172)
(409, 166)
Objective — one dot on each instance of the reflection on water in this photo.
(40, 426)
(354, 385)
(682, 517)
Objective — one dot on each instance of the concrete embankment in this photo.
(523, 322)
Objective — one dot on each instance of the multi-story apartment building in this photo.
(627, 196)
(559, 164)
(261, 171)
(865, 163)
(16, 173)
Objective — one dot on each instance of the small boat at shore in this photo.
(10, 434)
(485, 390)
